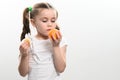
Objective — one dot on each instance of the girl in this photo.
(43, 58)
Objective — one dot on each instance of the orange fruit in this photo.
(52, 33)
(27, 40)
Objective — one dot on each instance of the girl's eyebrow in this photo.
(47, 17)
(44, 17)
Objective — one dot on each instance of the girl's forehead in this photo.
(47, 13)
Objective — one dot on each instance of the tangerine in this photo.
(27, 40)
(52, 33)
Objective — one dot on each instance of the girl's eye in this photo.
(44, 20)
(53, 21)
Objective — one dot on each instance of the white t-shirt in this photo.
(41, 60)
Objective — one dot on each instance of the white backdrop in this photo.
(92, 28)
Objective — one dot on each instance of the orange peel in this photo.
(27, 40)
(52, 33)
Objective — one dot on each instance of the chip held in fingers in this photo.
(52, 33)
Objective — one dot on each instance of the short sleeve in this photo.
(63, 42)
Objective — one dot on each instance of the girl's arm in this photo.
(59, 54)
(59, 58)
(23, 66)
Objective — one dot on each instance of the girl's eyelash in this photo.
(44, 21)
(52, 21)
(47, 20)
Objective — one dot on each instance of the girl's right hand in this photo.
(24, 47)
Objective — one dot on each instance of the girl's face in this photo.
(44, 21)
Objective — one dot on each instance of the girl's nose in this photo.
(49, 24)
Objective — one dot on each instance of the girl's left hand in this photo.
(56, 40)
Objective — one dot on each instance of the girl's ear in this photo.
(32, 22)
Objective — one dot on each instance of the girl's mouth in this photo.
(48, 29)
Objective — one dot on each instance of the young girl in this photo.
(43, 58)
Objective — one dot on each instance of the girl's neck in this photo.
(41, 37)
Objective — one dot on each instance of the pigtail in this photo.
(26, 27)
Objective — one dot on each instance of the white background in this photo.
(92, 28)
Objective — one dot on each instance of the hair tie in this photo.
(30, 9)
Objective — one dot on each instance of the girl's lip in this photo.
(48, 29)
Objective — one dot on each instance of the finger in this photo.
(57, 35)
(53, 37)
(60, 34)
(24, 49)
(24, 46)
